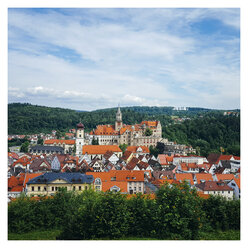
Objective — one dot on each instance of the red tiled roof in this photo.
(237, 181)
(12, 182)
(134, 149)
(17, 188)
(203, 176)
(184, 176)
(214, 186)
(224, 177)
(30, 176)
(107, 185)
(59, 141)
(100, 149)
(163, 159)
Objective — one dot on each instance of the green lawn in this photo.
(52, 234)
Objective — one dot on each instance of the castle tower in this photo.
(79, 139)
(118, 121)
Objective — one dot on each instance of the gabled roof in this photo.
(100, 149)
(184, 176)
(59, 141)
(224, 177)
(203, 176)
(127, 155)
(134, 149)
(213, 186)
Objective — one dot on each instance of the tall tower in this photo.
(79, 139)
(118, 121)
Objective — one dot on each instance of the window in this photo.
(86, 187)
(52, 188)
(79, 188)
(45, 188)
(74, 188)
(139, 188)
(56, 188)
(38, 188)
(228, 192)
(32, 188)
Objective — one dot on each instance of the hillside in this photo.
(207, 130)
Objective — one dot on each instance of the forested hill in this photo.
(27, 118)
(206, 130)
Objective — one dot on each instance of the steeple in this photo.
(119, 115)
(118, 121)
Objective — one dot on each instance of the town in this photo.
(95, 160)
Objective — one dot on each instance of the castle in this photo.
(132, 135)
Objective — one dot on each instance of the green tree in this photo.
(24, 147)
(123, 147)
(148, 132)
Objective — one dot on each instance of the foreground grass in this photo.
(52, 234)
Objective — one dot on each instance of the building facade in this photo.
(132, 135)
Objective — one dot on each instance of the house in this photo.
(223, 177)
(138, 150)
(99, 150)
(67, 145)
(47, 150)
(181, 177)
(231, 166)
(50, 182)
(39, 165)
(219, 188)
(202, 177)
(235, 185)
(97, 165)
(111, 157)
(127, 156)
(189, 159)
(134, 180)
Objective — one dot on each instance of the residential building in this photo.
(49, 183)
(219, 188)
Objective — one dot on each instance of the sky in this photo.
(94, 58)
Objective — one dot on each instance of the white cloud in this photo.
(137, 57)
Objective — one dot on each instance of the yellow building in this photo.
(49, 183)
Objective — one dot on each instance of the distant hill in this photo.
(204, 129)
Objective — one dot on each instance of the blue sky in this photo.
(88, 59)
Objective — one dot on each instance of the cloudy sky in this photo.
(87, 59)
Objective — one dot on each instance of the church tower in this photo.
(118, 121)
(79, 139)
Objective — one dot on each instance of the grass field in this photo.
(52, 234)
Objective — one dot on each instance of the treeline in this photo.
(29, 119)
(206, 130)
(176, 213)
(208, 134)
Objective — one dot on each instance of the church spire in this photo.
(118, 114)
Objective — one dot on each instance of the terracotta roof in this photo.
(59, 141)
(105, 130)
(202, 195)
(107, 185)
(17, 188)
(126, 155)
(30, 176)
(134, 149)
(13, 155)
(163, 159)
(237, 181)
(119, 175)
(184, 176)
(224, 177)
(100, 149)
(12, 182)
(213, 158)
(214, 186)
(203, 176)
